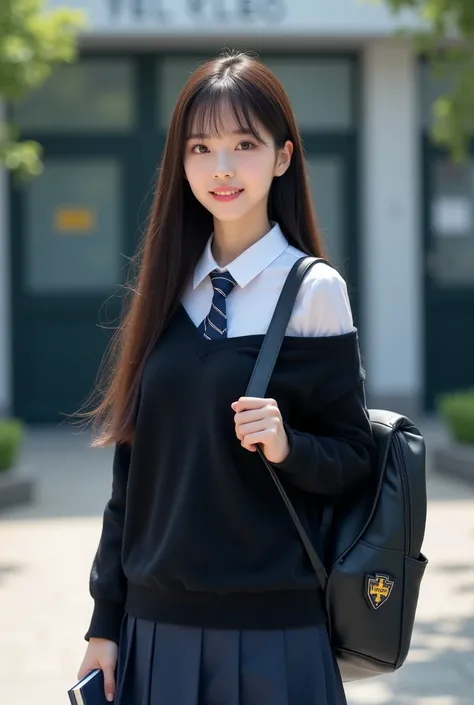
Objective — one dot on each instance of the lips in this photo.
(226, 194)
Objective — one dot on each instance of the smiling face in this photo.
(230, 170)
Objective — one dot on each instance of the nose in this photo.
(223, 167)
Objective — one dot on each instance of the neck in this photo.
(233, 238)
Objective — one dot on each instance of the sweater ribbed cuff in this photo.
(299, 454)
(106, 620)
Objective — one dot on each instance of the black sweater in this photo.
(195, 531)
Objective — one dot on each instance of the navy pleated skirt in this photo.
(166, 664)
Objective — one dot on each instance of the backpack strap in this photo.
(260, 378)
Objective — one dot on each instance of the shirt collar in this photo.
(249, 264)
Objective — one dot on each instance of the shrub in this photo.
(457, 411)
(11, 437)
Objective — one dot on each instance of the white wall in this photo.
(5, 337)
(392, 238)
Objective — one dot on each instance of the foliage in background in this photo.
(11, 437)
(448, 44)
(32, 41)
(457, 411)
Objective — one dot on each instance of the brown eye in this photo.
(245, 146)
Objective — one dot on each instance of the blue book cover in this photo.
(89, 690)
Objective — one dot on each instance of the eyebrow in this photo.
(206, 136)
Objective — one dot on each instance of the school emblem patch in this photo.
(378, 589)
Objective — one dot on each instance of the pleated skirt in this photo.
(166, 664)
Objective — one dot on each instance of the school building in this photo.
(396, 213)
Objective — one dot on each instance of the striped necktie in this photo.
(214, 326)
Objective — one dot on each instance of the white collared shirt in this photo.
(322, 307)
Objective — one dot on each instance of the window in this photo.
(91, 96)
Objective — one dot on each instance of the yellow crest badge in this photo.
(378, 589)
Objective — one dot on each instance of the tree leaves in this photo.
(32, 42)
(448, 45)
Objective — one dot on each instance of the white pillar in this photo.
(5, 327)
(392, 238)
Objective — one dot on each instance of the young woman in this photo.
(203, 592)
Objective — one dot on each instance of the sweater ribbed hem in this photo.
(262, 610)
(106, 621)
(299, 453)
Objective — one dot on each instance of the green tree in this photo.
(447, 41)
(32, 42)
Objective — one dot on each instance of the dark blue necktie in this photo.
(214, 326)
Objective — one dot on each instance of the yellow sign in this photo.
(74, 220)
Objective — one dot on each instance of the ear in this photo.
(284, 158)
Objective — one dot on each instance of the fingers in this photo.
(102, 654)
(88, 664)
(264, 437)
(246, 429)
(83, 671)
(247, 403)
(267, 410)
(256, 421)
(109, 681)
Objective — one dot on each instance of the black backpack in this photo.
(372, 565)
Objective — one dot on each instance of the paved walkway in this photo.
(45, 556)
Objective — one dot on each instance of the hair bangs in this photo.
(211, 104)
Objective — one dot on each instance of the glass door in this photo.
(331, 168)
(75, 227)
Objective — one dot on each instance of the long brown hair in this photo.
(179, 225)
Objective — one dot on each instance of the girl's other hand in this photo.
(101, 653)
(259, 421)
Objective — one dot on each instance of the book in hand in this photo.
(89, 690)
